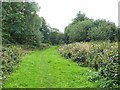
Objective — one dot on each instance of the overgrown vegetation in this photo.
(101, 56)
(10, 57)
(91, 43)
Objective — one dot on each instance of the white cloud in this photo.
(59, 13)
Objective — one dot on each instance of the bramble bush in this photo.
(10, 58)
(103, 56)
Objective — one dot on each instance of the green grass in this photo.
(47, 69)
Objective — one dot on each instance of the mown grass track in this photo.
(47, 69)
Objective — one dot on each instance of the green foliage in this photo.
(44, 46)
(102, 56)
(10, 57)
(80, 17)
(51, 35)
(102, 30)
(45, 31)
(105, 83)
(56, 37)
(102, 82)
(79, 31)
(20, 23)
(85, 29)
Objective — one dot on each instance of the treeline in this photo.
(22, 25)
(85, 29)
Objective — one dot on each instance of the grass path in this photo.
(47, 69)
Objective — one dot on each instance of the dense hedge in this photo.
(102, 56)
(10, 57)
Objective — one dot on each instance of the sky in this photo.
(59, 13)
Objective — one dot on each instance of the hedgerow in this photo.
(103, 56)
(10, 58)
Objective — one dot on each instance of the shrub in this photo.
(44, 46)
(103, 56)
(10, 57)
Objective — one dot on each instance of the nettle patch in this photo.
(102, 56)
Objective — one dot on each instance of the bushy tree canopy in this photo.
(20, 23)
(84, 29)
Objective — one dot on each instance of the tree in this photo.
(102, 30)
(84, 29)
(21, 23)
(79, 31)
(79, 17)
(56, 37)
(45, 31)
